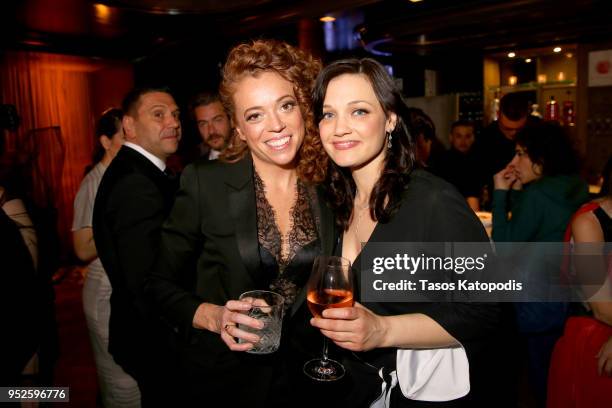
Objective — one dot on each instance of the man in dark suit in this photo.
(134, 198)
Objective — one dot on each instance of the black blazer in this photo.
(432, 210)
(210, 253)
(133, 199)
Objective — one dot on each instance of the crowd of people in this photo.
(299, 160)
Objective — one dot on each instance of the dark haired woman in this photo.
(428, 147)
(427, 353)
(117, 388)
(546, 190)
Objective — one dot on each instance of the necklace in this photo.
(360, 211)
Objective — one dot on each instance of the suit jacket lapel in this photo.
(166, 184)
(243, 211)
(324, 219)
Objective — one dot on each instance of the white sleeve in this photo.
(441, 374)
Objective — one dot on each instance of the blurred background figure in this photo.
(213, 124)
(495, 146)
(134, 198)
(30, 346)
(581, 366)
(459, 166)
(423, 132)
(544, 190)
(117, 388)
(20, 297)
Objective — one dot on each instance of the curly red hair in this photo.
(297, 67)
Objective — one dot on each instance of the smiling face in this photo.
(354, 125)
(524, 168)
(268, 119)
(155, 125)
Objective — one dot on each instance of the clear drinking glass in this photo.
(330, 285)
(267, 307)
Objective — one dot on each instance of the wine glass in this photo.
(330, 285)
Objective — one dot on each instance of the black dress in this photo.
(286, 262)
(431, 211)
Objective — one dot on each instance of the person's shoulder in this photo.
(210, 173)
(425, 191)
(203, 164)
(212, 168)
(426, 184)
(94, 176)
(586, 228)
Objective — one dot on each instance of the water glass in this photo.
(267, 307)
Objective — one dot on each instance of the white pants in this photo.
(118, 388)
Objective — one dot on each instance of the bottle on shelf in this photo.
(569, 115)
(552, 109)
(494, 108)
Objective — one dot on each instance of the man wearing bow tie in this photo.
(134, 198)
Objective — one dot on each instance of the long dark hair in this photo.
(399, 162)
(548, 145)
(108, 124)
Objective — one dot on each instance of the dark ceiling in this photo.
(130, 29)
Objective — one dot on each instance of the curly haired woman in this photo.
(251, 220)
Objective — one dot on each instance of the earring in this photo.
(389, 140)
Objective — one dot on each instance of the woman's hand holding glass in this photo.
(225, 319)
(353, 328)
(330, 286)
(233, 314)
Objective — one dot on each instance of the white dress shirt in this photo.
(159, 163)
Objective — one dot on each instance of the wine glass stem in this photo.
(325, 346)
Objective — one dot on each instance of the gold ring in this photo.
(228, 325)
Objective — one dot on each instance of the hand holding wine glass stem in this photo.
(330, 285)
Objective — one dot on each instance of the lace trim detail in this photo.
(302, 231)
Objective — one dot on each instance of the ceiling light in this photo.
(327, 19)
(102, 12)
(557, 49)
(528, 60)
(511, 55)
(415, 1)
(569, 55)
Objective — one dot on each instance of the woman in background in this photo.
(541, 188)
(117, 388)
(581, 366)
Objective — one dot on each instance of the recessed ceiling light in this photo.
(415, 1)
(528, 60)
(102, 11)
(569, 55)
(557, 49)
(327, 19)
(511, 55)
